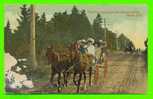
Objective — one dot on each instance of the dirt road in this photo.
(125, 74)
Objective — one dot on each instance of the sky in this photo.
(130, 20)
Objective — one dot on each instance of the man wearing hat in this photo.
(83, 47)
(103, 46)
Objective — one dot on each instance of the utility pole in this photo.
(105, 35)
(32, 30)
(117, 42)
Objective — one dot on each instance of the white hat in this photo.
(83, 41)
(91, 40)
(100, 41)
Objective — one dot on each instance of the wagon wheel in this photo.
(96, 74)
(105, 68)
(102, 63)
(103, 60)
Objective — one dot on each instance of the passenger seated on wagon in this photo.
(91, 49)
(103, 46)
(83, 47)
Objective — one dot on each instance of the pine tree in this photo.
(41, 32)
(86, 27)
(75, 11)
(75, 23)
(80, 26)
(111, 40)
(22, 33)
(7, 37)
(98, 31)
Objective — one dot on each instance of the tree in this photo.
(98, 31)
(41, 30)
(61, 23)
(7, 37)
(85, 25)
(80, 26)
(121, 42)
(75, 11)
(22, 33)
(69, 27)
(146, 53)
(111, 40)
(146, 43)
(75, 23)
(23, 28)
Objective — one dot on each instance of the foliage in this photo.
(7, 37)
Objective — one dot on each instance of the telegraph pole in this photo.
(117, 42)
(117, 45)
(105, 35)
(32, 30)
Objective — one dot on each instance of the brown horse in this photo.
(61, 63)
(81, 64)
(80, 68)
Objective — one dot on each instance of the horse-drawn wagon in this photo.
(72, 61)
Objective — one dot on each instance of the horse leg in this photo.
(90, 75)
(66, 80)
(74, 76)
(52, 77)
(65, 74)
(79, 82)
(85, 87)
(59, 82)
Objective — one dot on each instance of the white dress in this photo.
(91, 51)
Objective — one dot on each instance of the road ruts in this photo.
(129, 78)
(131, 83)
(117, 67)
(126, 74)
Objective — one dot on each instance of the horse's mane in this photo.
(56, 56)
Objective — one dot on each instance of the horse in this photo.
(60, 63)
(80, 68)
(80, 65)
